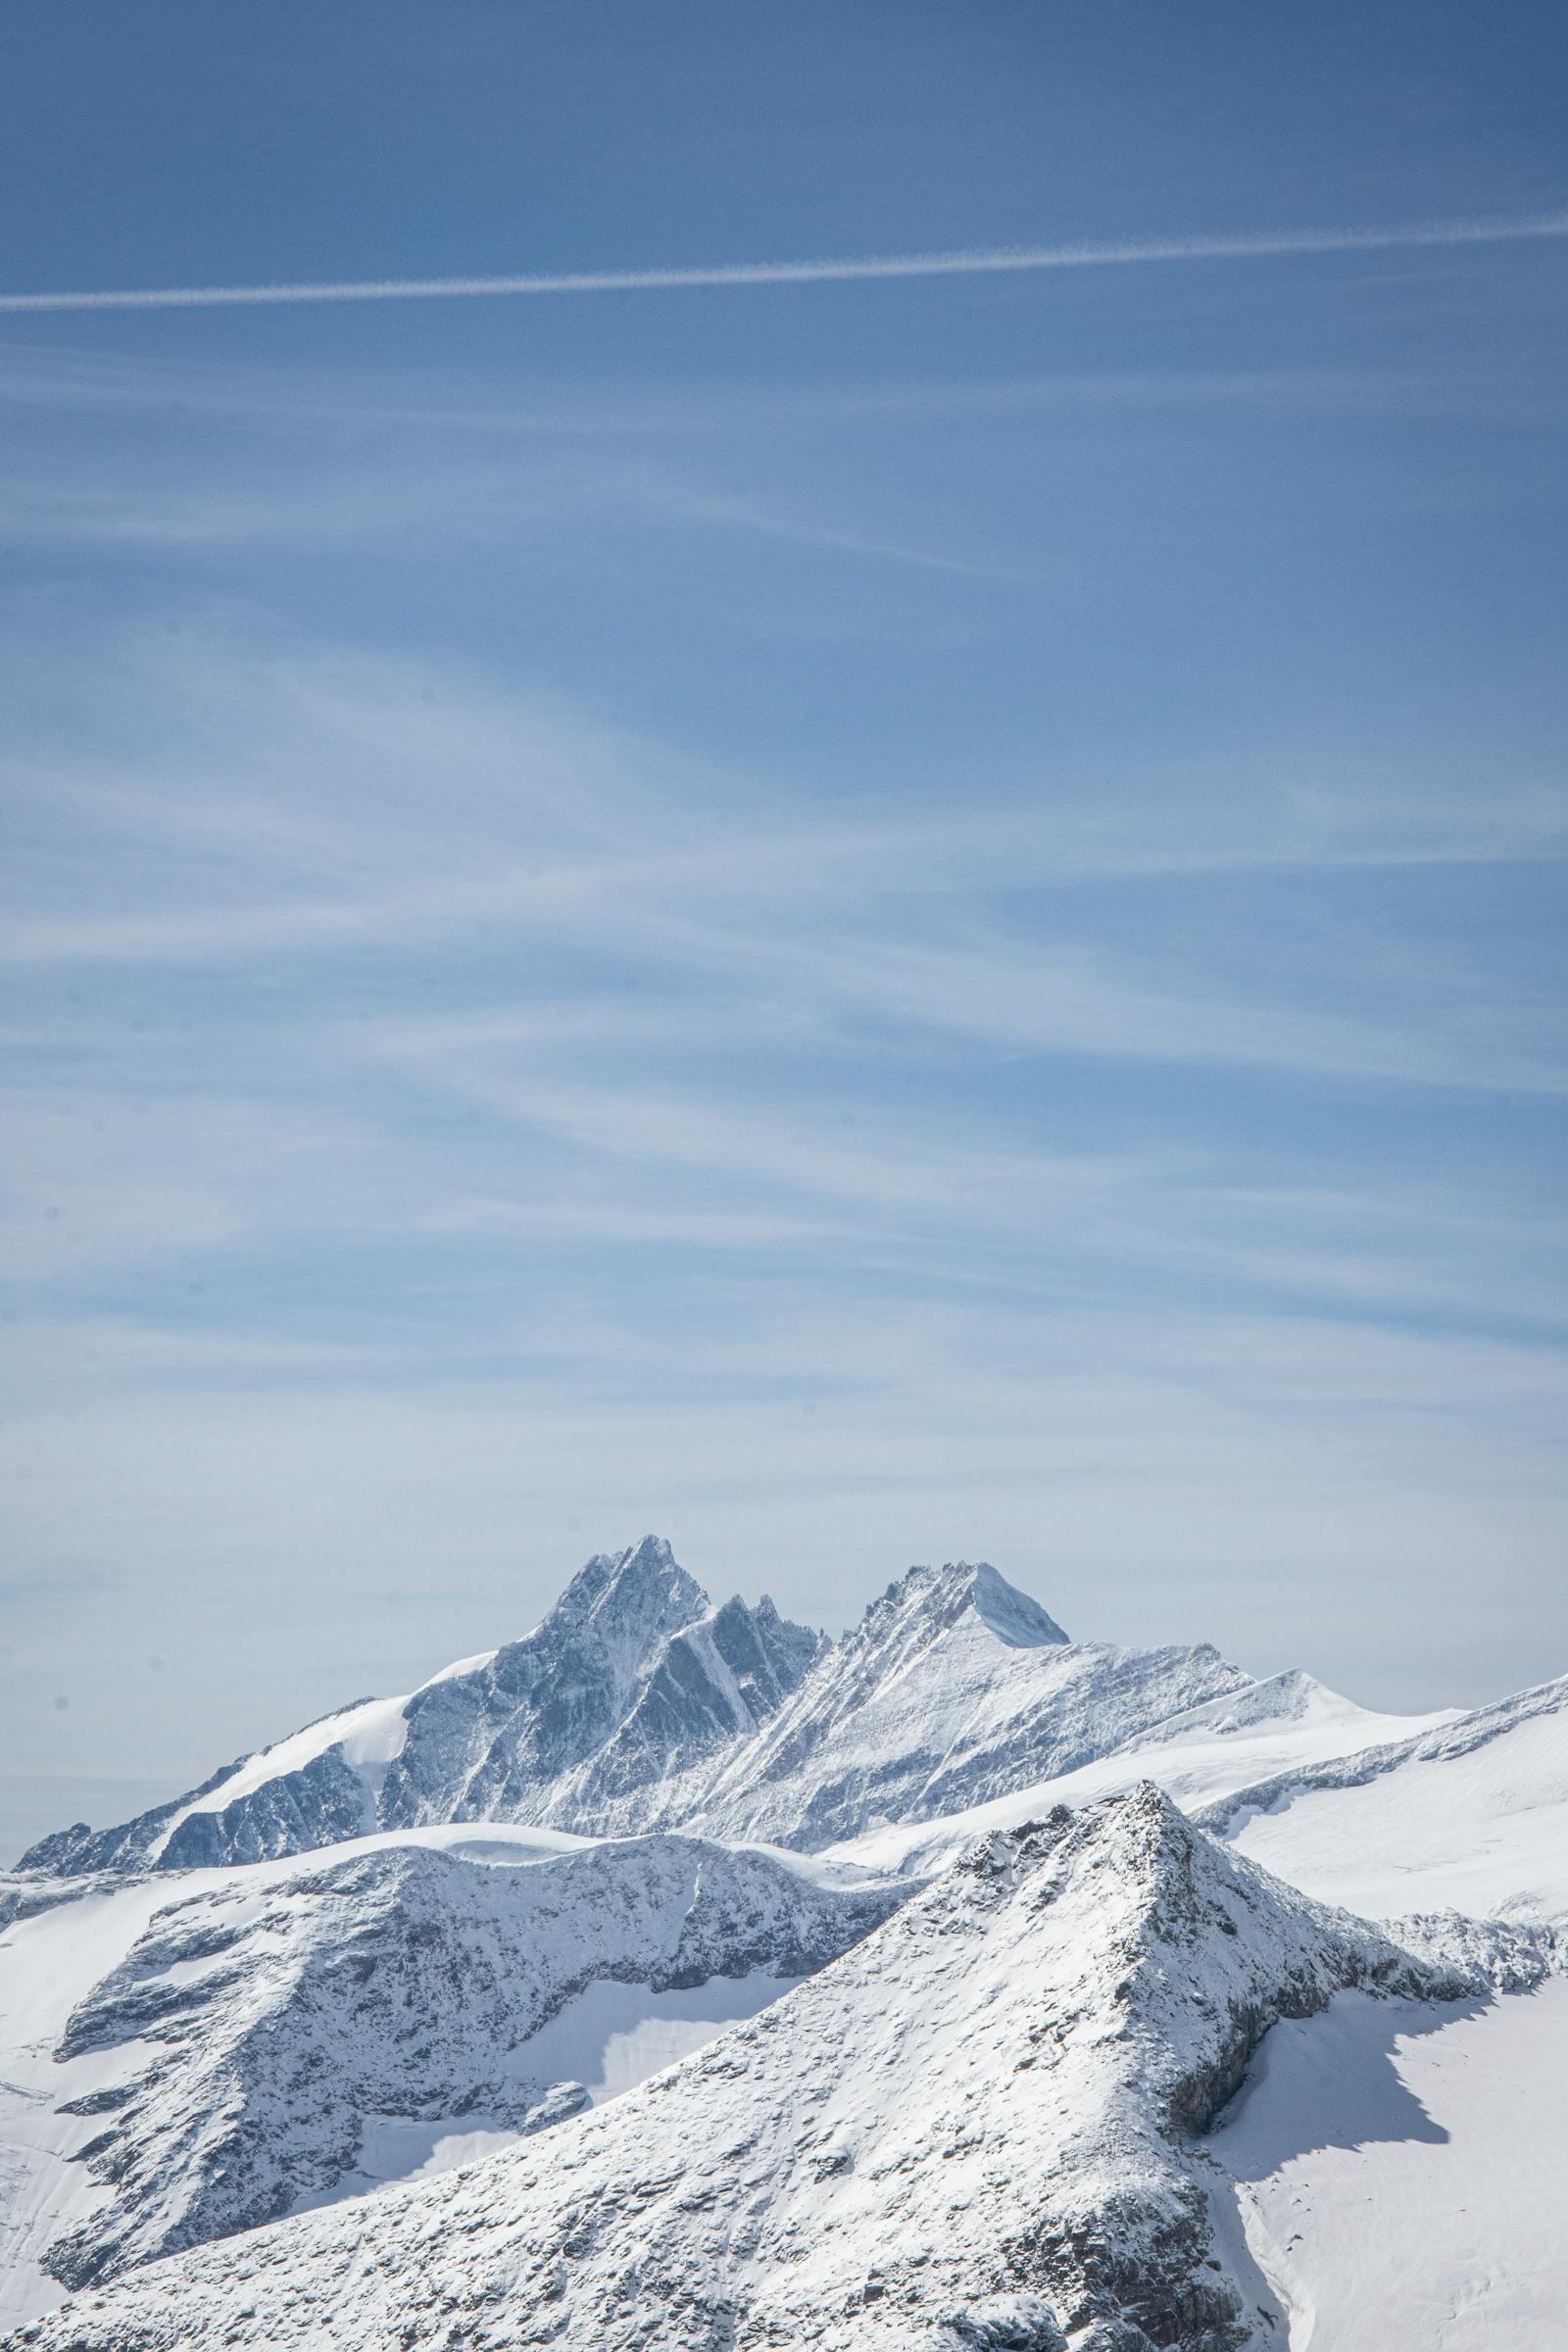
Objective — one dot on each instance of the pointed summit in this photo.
(940, 1597)
(633, 1599)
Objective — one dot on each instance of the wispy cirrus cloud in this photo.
(436, 1094)
(360, 813)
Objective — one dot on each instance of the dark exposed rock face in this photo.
(629, 1682)
(321, 1804)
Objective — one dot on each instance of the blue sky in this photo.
(858, 922)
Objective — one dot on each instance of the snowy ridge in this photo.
(1079, 1998)
(1460, 1735)
(300, 2030)
(1197, 1756)
(1470, 1816)
(1507, 1956)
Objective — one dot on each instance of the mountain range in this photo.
(898, 1990)
(636, 1705)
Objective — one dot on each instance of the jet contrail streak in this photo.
(984, 260)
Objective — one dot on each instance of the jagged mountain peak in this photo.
(635, 1703)
(939, 1598)
(640, 1593)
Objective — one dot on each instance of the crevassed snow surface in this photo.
(1399, 2174)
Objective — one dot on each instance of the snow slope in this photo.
(974, 2124)
(1471, 1817)
(1263, 1728)
(189, 2057)
(1397, 2172)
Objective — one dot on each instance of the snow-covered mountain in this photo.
(975, 2129)
(636, 1705)
(629, 1682)
(953, 1687)
(424, 1929)
(187, 2058)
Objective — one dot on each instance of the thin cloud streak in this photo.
(978, 261)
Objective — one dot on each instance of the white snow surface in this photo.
(1471, 1817)
(1398, 2170)
(967, 2127)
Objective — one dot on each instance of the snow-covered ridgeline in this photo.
(186, 2059)
(1073, 2002)
(1266, 1727)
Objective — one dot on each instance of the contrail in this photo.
(984, 260)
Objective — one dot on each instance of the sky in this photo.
(856, 922)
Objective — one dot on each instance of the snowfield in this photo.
(1472, 1816)
(675, 1977)
(1399, 2174)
